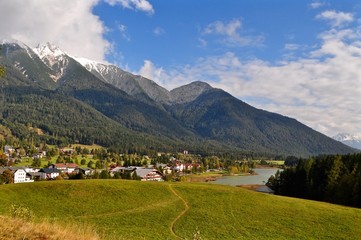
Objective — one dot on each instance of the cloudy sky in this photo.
(297, 58)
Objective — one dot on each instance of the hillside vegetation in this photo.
(11, 228)
(120, 209)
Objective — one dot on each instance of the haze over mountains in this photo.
(78, 100)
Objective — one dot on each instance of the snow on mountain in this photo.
(352, 140)
(99, 69)
(56, 59)
(20, 44)
(134, 85)
(347, 137)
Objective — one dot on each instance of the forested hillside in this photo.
(330, 178)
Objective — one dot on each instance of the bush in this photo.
(59, 178)
(21, 212)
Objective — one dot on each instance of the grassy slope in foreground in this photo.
(119, 209)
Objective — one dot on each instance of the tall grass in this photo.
(15, 228)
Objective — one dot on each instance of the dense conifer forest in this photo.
(330, 178)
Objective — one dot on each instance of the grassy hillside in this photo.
(117, 209)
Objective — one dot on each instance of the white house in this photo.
(49, 173)
(20, 176)
(86, 171)
(18, 173)
(149, 174)
(65, 167)
(8, 149)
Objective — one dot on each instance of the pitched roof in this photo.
(66, 165)
(142, 172)
(49, 170)
(12, 169)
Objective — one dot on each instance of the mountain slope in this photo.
(50, 90)
(29, 66)
(137, 86)
(93, 88)
(219, 116)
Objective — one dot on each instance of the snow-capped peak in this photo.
(47, 50)
(352, 140)
(55, 58)
(93, 66)
(347, 137)
(86, 62)
(13, 41)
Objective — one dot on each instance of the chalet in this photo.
(145, 174)
(65, 167)
(149, 174)
(166, 169)
(85, 171)
(49, 173)
(122, 170)
(8, 149)
(19, 174)
(67, 151)
(178, 167)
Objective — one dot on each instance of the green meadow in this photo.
(121, 209)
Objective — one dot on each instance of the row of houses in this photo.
(9, 151)
(29, 174)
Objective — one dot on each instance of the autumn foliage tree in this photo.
(2, 69)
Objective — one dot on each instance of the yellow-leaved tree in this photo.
(2, 69)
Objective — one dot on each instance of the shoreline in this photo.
(209, 177)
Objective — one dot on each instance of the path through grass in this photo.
(180, 214)
(120, 209)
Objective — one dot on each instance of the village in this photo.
(93, 163)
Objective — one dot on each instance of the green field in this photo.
(120, 209)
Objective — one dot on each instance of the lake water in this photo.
(261, 178)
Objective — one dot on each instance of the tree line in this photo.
(330, 178)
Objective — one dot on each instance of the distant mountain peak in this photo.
(189, 92)
(352, 140)
(55, 58)
(347, 137)
(48, 49)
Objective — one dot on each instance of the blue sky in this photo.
(174, 32)
(298, 58)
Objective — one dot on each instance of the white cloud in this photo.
(292, 46)
(231, 32)
(123, 31)
(158, 31)
(69, 24)
(322, 90)
(150, 71)
(315, 5)
(336, 19)
(141, 5)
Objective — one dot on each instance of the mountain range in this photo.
(68, 99)
(352, 140)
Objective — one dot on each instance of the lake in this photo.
(261, 178)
